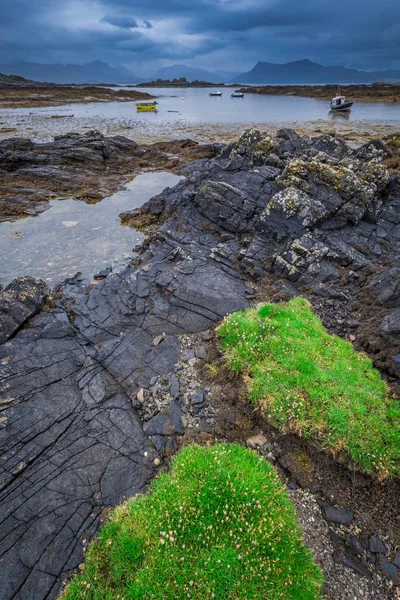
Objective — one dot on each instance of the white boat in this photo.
(216, 93)
(237, 95)
(340, 103)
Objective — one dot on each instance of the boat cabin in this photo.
(338, 101)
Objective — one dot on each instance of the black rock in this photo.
(19, 301)
(198, 398)
(351, 561)
(103, 274)
(159, 441)
(376, 545)
(284, 461)
(387, 568)
(201, 352)
(174, 386)
(354, 544)
(335, 514)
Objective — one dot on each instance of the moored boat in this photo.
(145, 106)
(216, 93)
(340, 103)
(237, 95)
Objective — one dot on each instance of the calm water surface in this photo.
(195, 105)
(74, 236)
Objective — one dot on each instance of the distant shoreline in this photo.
(34, 96)
(183, 83)
(363, 92)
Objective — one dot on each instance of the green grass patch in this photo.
(314, 383)
(219, 525)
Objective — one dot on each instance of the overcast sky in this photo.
(215, 34)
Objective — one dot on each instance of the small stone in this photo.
(157, 461)
(140, 395)
(336, 514)
(103, 274)
(256, 441)
(205, 426)
(352, 337)
(284, 461)
(356, 565)
(352, 323)
(376, 545)
(158, 441)
(158, 339)
(192, 361)
(189, 354)
(201, 352)
(207, 335)
(174, 387)
(387, 568)
(81, 566)
(198, 398)
(354, 544)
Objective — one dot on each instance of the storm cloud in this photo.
(214, 34)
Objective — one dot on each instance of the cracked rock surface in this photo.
(321, 218)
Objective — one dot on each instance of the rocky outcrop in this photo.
(310, 213)
(19, 301)
(87, 166)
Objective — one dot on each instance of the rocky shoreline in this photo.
(38, 94)
(375, 92)
(100, 385)
(87, 166)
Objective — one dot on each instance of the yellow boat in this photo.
(144, 106)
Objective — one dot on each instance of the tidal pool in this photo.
(73, 236)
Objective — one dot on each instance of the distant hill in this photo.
(189, 73)
(305, 71)
(12, 79)
(94, 72)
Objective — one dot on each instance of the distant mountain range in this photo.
(298, 72)
(305, 71)
(93, 72)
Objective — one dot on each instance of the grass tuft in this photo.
(219, 525)
(314, 383)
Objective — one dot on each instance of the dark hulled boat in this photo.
(340, 103)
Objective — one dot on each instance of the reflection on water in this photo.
(74, 236)
(339, 116)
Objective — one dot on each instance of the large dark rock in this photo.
(336, 514)
(390, 327)
(310, 210)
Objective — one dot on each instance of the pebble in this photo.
(376, 545)
(256, 441)
(158, 339)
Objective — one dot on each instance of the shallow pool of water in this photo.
(73, 236)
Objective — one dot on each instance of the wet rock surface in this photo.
(86, 166)
(99, 388)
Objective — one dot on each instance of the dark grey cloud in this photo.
(225, 34)
(125, 22)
